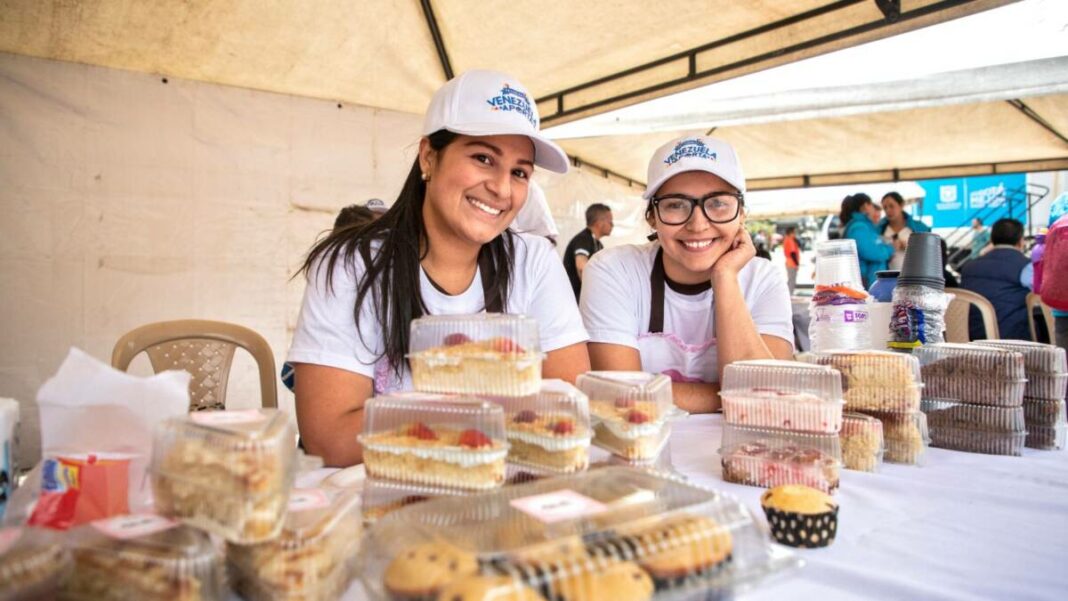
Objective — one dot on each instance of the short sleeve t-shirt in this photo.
(326, 333)
(890, 236)
(616, 301)
(583, 244)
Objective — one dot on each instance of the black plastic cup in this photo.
(923, 262)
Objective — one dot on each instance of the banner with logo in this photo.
(953, 202)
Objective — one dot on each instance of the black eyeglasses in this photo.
(718, 207)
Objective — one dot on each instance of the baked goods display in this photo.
(874, 380)
(143, 557)
(438, 440)
(975, 428)
(313, 558)
(489, 353)
(33, 564)
(861, 439)
(631, 412)
(382, 497)
(549, 431)
(788, 395)
(228, 472)
(799, 516)
(613, 533)
(970, 373)
(769, 458)
(1046, 367)
(905, 436)
(1047, 427)
(1046, 438)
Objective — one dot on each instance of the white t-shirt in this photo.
(898, 259)
(326, 333)
(617, 301)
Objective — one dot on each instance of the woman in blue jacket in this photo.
(897, 226)
(859, 214)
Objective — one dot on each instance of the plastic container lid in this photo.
(905, 436)
(550, 430)
(33, 563)
(862, 442)
(874, 380)
(971, 440)
(1042, 412)
(585, 537)
(971, 373)
(768, 458)
(228, 472)
(782, 394)
(314, 556)
(630, 410)
(951, 414)
(488, 353)
(143, 556)
(1038, 357)
(1047, 438)
(434, 439)
(383, 497)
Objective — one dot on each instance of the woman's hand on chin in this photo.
(738, 256)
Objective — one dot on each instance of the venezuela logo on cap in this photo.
(512, 100)
(689, 148)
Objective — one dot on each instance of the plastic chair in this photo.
(203, 348)
(1035, 301)
(957, 315)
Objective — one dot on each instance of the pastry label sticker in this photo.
(306, 499)
(226, 418)
(133, 526)
(558, 506)
(8, 536)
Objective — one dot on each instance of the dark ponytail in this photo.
(389, 250)
(850, 205)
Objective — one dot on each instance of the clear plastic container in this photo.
(970, 373)
(33, 564)
(972, 440)
(631, 411)
(905, 436)
(608, 534)
(874, 380)
(143, 557)
(1047, 438)
(1040, 412)
(383, 497)
(1046, 367)
(862, 442)
(434, 439)
(837, 264)
(313, 558)
(951, 414)
(844, 327)
(768, 458)
(550, 430)
(488, 353)
(228, 472)
(782, 394)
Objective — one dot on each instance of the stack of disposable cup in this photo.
(920, 299)
(839, 309)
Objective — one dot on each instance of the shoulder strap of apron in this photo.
(488, 270)
(657, 282)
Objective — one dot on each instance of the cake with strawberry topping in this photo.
(776, 408)
(487, 354)
(631, 411)
(549, 431)
(770, 458)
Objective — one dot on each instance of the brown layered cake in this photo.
(1046, 366)
(862, 442)
(439, 456)
(973, 374)
(1040, 412)
(227, 472)
(1046, 438)
(33, 563)
(874, 380)
(141, 557)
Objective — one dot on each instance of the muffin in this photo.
(800, 516)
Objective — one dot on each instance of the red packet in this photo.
(104, 487)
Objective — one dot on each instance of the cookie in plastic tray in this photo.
(612, 533)
(769, 458)
(951, 414)
(790, 395)
(433, 439)
(550, 430)
(143, 556)
(33, 564)
(905, 436)
(971, 373)
(488, 353)
(1041, 412)
(862, 442)
(314, 556)
(874, 380)
(1046, 438)
(228, 472)
(383, 497)
(631, 411)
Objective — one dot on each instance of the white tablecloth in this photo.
(963, 527)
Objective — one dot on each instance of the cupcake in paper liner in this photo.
(800, 516)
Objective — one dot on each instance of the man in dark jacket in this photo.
(1003, 275)
(586, 243)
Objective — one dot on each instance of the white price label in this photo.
(558, 506)
(133, 526)
(306, 499)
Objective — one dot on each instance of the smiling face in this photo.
(691, 249)
(476, 186)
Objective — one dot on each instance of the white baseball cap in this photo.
(694, 153)
(491, 103)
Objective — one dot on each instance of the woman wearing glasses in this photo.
(694, 299)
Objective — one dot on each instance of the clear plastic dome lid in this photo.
(786, 378)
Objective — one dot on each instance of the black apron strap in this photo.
(486, 267)
(657, 282)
